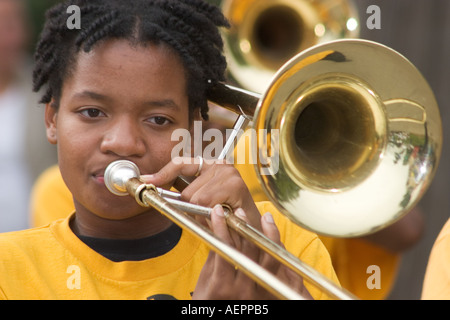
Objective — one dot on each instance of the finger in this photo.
(285, 274)
(179, 166)
(199, 190)
(251, 251)
(271, 231)
(247, 247)
(222, 184)
(218, 184)
(220, 229)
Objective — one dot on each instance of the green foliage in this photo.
(36, 9)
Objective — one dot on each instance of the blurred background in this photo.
(420, 30)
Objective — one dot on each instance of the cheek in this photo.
(72, 140)
(72, 151)
(75, 147)
(167, 144)
(160, 153)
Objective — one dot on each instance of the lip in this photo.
(100, 179)
(99, 176)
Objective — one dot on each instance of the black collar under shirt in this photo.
(135, 250)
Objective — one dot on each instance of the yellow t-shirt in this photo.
(50, 262)
(436, 283)
(354, 261)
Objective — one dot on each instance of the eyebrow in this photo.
(91, 95)
(169, 103)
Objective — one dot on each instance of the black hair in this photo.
(190, 27)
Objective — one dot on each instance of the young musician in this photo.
(116, 89)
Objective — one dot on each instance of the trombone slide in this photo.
(151, 197)
(276, 251)
(122, 178)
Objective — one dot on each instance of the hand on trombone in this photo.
(220, 280)
(220, 183)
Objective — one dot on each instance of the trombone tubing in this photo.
(275, 250)
(168, 207)
(249, 267)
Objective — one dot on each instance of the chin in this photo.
(122, 212)
(113, 207)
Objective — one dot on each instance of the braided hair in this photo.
(190, 27)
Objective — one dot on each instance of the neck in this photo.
(137, 227)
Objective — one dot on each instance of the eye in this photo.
(160, 121)
(92, 113)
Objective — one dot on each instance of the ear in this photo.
(50, 122)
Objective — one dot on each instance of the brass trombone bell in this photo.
(265, 34)
(360, 137)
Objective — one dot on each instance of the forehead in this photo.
(120, 68)
(120, 57)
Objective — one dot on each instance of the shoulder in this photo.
(23, 238)
(19, 250)
(436, 284)
(445, 232)
(26, 243)
(29, 261)
(441, 247)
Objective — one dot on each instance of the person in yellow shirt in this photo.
(351, 258)
(52, 262)
(118, 85)
(50, 199)
(436, 284)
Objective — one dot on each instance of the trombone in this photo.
(265, 34)
(360, 139)
(122, 178)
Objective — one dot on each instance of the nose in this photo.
(123, 138)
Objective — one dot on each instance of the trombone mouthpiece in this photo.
(118, 173)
